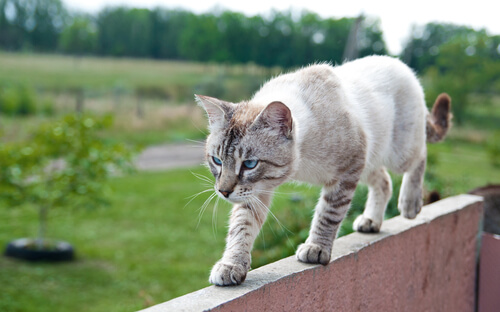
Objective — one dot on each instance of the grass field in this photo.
(162, 90)
(151, 244)
(58, 72)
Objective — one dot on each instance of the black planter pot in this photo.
(24, 249)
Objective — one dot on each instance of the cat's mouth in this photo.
(232, 197)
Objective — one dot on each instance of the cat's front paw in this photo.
(313, 253)
(366, 225)
(225, 274)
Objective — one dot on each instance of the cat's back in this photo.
(377, 73)
(300, 84)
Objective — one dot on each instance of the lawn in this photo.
(59, 72)
(151, 244)
(163, 91)
(146, 247)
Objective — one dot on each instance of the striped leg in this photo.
(330, 211)
(244, 226)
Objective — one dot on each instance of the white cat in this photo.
(334, 126)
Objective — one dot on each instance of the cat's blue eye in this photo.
(250, 164)
(216, 160)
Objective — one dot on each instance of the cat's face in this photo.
(250, 149)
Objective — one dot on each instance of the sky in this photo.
(397, 16)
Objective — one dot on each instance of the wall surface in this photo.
(489, 274)
(425, 264)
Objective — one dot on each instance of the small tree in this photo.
(64, 164)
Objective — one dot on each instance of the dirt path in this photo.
(170, 156)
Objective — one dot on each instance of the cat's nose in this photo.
(225, 193)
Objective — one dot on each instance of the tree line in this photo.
(283, 39)
(277, 39)
(455, 58)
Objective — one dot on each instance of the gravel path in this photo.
(170, 156)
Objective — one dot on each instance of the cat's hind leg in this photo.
(379, 194)
(410, 197)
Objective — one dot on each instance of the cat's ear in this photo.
(218, 111)
(276, 116)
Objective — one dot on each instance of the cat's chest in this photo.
(312, 172)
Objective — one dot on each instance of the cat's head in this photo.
(250, 149)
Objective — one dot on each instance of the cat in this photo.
(330, 125)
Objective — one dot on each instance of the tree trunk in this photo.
(42, 226)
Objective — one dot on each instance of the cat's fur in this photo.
(334, 126)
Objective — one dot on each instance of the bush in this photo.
(47, 107)
(64, 164)
(9, 100)
(493, 149)
(17, 101)
(27, 103)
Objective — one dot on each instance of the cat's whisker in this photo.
(262, 205)
(192, 197)
(214, 216)
(202, 177)
(283, 227)
(204, 207)
(248, 201)
(197, 128)
(259, 206)
(259, 191)
(200, 143)
(197, 194)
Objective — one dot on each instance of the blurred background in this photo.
(97, 83)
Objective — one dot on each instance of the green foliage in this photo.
(493, 148)
(80, 37)
(17, 100)
(466, 64)
(149, 239)
(64, 164)
(424, 45)
(47, 107)
(31, 24)
(9, 100)
(278, 39)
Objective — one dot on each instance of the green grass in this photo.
(176, 79)
(59, 72)
(111, 85)
(146, 247)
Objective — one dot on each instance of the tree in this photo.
(464, 65)
(63, 165)
(32, 24)
(80, 37)
(423, 46)
(124, 32)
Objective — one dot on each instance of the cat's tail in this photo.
(439, 119)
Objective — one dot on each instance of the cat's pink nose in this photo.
(225, 193)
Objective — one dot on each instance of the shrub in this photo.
(17, 101)
(27, 104)
(9, 100)
(493, 148)
(47, 107)
(64, 164)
